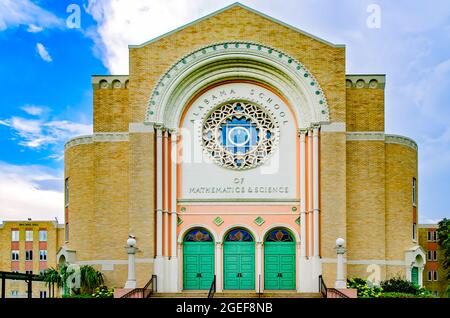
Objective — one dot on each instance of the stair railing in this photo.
(329, 292)
(212, 289)
(145, 292)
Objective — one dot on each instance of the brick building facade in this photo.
(239, 147)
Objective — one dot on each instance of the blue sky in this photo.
(46, 98)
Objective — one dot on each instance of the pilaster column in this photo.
(159, 191)
(131, 250)
(173, 204)
(302, 134)
(310, 194)
(341, 282)
(166, 191)
(259, 259)
(316, 189)
(218, 265)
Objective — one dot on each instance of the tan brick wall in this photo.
(362, 271)
(365, 200)
(365, 109)
(148, 64)
(110, 227)
(332, 186)
(111, 111)
(401, 168)
(79, 168)
(141, 207)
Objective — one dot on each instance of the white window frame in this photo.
(435, 256)
(435, 236)
(15, 236)
(435, 276)
(414, 192)
(43, 293)
(430, 276)
(66, 192)
(29, 255)
(15, 255)
(414, 237)
(29, 236)
(42, 255)
(43, 235)
(429, 236)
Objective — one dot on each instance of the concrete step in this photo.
(237, 294)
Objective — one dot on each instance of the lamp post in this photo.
(131, 250)
(340, 251)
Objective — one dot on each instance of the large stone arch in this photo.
(237, 60)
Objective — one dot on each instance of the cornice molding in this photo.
(401, 140)
(381, 136)
(97, 137)
(80, 140)
(110, 81)
(365, 81)
(365, 136)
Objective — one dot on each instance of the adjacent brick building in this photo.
(434, 275)
(29, 247)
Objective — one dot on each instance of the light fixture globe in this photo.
(340, 242)
(131, 242)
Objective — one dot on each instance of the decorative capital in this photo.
(315, 128)
(302, 132)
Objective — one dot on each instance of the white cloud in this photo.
(43, 53)
(121, 23)
(34, 28)
(34, 110)
(24, 12)
(30, 192)
(38, 133)
(426, 220)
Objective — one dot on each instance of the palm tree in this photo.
(51, 277)
(90, 279)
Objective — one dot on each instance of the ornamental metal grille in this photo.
(240, 135)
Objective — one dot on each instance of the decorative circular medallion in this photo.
(239, 135)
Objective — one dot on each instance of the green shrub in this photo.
(103, 292)
(78, 296)
(400, 285)
(364, 290)
(404, 295)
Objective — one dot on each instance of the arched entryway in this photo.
(239, 260)
(279, 260)
(198, 260)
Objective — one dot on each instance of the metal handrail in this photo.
(336, 292)
(145, 292)
(212, 289)
(326, 291)
(322, 287)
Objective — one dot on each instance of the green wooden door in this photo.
(198, 265)
(415, 275)
(279, 266)
(239, 265)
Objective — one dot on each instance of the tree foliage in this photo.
(90, 279)
(443, 233)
